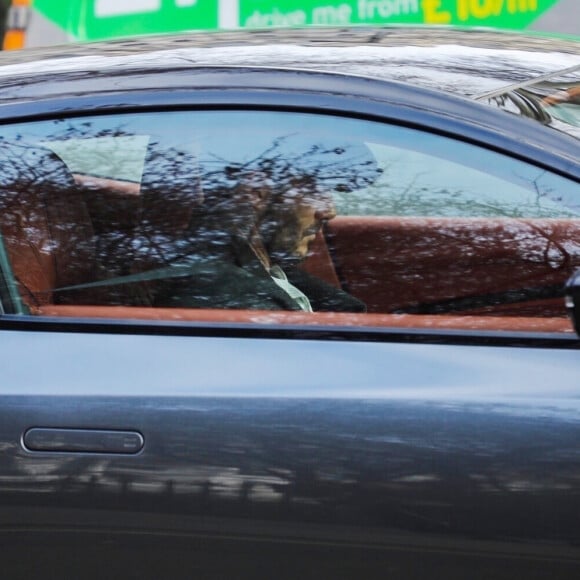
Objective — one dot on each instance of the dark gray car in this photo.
(401, 400)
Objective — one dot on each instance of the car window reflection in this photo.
(238, 210)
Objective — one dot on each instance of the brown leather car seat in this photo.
(436, 265)
(161, 231)
(45, 226)
(170, 193)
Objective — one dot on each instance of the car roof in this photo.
(464, 62)
(468, 62)
(457, 62)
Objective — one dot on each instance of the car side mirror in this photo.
(573, 299)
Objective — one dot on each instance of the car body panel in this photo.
(389, 451)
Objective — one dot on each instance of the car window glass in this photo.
(175, 214)
(430, 184)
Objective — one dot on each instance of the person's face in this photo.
(291, 226)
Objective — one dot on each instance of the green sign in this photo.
(98, 19)
(498, 13)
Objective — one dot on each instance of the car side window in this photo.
(219, 215)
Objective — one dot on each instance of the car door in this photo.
(434, 434)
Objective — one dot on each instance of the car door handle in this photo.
(82, 440)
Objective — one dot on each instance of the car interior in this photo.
(75, 249)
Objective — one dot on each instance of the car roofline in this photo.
(322, 91)
(398, 34)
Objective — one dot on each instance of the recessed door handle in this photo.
(82, 440)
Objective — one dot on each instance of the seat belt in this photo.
(158, 274)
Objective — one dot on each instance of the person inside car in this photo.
(250, 238)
